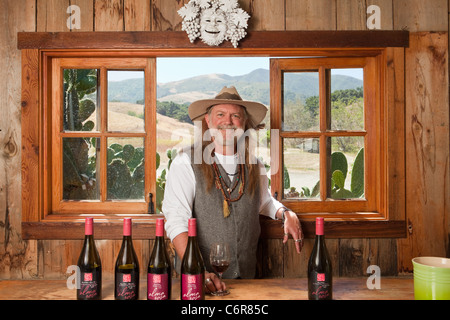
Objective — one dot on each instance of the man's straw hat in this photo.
(256, 111)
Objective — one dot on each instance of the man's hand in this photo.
(292, 226)
(213, 283)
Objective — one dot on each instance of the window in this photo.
(329, 152)
(72, 148)
(102, 146)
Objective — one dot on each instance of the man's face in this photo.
(227, 119)
(213, 26)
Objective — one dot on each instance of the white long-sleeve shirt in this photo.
(180, 192)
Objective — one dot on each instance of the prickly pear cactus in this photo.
(161, 180)
(339, 169)
(339, 162)
(125, 178)
(79, 178)
(357, 182)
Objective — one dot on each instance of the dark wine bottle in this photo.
(159, 271)
(90, 267)
(127, 268)
(192, 267)
(320, 282)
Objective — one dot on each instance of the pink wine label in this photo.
(126, 286)
(89, 288)
(158, 286)
(192, 287)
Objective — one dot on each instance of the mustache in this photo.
(224, 127)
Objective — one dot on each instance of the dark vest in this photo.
(241, 229)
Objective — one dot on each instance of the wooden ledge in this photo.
(270, 229)
(179, 40)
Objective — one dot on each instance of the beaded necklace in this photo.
(227, 190)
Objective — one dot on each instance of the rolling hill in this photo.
(252, 86)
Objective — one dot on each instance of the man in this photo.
(226, 190)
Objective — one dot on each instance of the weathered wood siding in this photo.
(425, 90)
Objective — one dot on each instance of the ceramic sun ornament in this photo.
(214, 21)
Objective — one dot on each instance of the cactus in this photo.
(161, 180)
(339, 169)
(126, 172)
(339, 162)
(338, 179)
(357, 182)
(286, 179)
(79, 178)
(338, 190)
(119, 180)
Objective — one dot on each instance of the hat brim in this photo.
(255, 110)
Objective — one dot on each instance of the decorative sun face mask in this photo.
(213, 26)
(214, 21)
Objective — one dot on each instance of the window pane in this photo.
(301, 101)
(347, 168)
(80, 100)
(125, 172)
(347, 100)
(301, 168)
(80, 170)
(182, 80)
(126, 101)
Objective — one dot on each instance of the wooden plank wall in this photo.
(426, 127)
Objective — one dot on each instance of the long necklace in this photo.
(227, 190)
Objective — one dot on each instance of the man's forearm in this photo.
(180, 243)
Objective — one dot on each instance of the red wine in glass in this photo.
(219, 258)
(220, 266)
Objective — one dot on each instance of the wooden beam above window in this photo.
(178, 39)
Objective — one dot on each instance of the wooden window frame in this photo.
(39, 48)
(53, 123)
(372, 205)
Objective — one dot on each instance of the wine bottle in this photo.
(320, 282)
(90, 267)
(192, 267)
(159, 271)
(127, 268)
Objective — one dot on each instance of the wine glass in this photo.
(219, 258)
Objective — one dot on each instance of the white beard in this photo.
(212, 40)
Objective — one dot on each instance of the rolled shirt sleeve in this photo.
(269, 205)
(179, 196)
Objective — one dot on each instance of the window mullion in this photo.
(324, 145)
(150, 129)
(103, 131)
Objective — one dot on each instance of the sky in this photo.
(174, 69)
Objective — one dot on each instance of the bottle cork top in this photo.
(159, 227)
(192, 227)
(88, 226)
(319, 226)
(127, 226)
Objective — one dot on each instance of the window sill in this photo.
(144, 228)
(71, 227)
(339, 227)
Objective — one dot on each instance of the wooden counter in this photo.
(399, 288)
